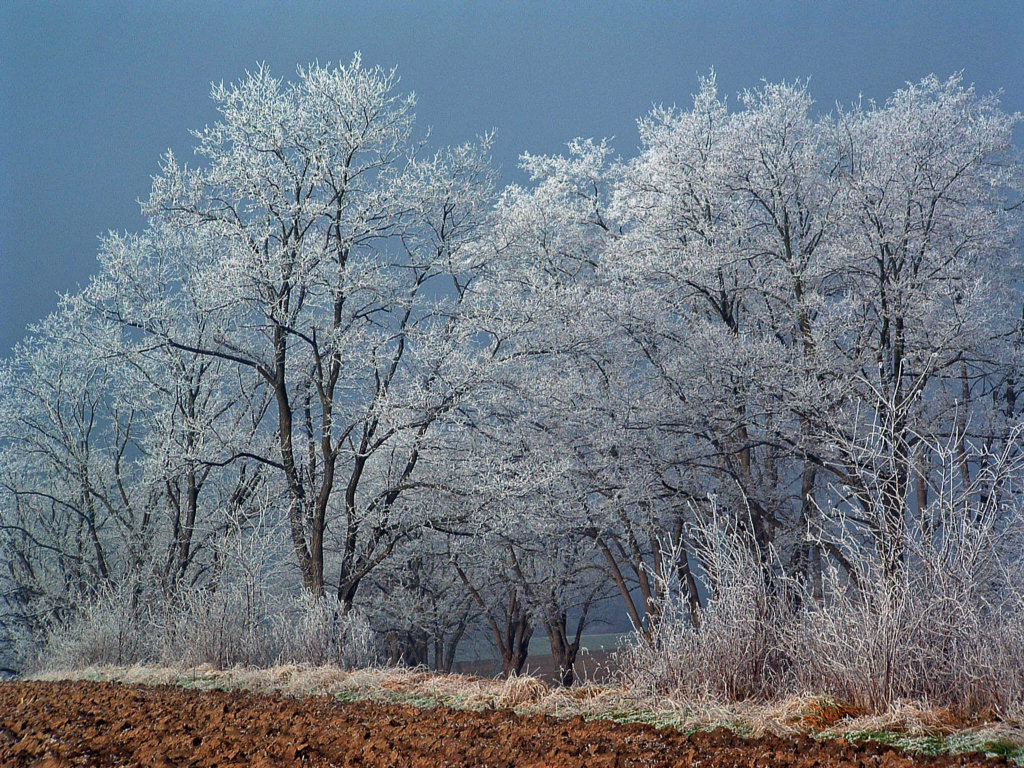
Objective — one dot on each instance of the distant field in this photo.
(541, 646)
(592, 663)
(481, 649)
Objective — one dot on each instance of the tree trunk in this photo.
(516, 642)
(564, 650)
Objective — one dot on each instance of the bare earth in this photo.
(78, 723)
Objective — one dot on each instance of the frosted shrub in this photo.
(222, 628)
(249, 616)
(227, 627)
(733, 651)
(944, 629)
(947, 631)
(113, 629)
(317, 633)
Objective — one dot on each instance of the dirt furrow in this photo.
(106, 724)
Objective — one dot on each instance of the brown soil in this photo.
(107, 724)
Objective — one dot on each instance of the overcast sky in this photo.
(94, 92)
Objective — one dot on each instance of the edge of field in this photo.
(906, 726)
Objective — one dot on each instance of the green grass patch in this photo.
(1004, 747)
(954, 744)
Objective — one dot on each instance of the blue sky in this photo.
(93, 93)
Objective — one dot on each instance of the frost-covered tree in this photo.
(739, 291)
(102, 483)
(323, 256)
(931, 288)
(776, 339)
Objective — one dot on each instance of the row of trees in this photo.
(462, 409)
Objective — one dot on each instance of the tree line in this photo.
(783, 333)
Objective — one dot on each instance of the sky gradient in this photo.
(93, 93)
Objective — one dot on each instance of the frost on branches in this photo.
(341, 365)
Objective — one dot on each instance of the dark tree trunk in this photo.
(563, 649)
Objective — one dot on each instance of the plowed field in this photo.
(105, 724)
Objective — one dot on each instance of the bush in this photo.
(732, 653)
(947, 630)
(317, 634)
(113, 629)
(230, 626)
